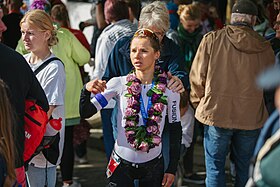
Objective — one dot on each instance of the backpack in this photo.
(37, 138)
(35, 121)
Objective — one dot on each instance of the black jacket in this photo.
(23, 84)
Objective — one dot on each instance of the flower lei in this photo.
(145, 137)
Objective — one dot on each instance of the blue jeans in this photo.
(37, 176)
(216, 146)
(107, 128)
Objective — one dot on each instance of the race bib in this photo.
(113, 164)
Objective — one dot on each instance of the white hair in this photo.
(243, 18)
(155, 14)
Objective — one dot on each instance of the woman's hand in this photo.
(96, 86)
(175, 84)
(168, 180)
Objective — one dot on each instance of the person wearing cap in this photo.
(224, 93)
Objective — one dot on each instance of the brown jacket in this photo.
(223, 75)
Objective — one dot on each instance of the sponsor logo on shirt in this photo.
(174, 111)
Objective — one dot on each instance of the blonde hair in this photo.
(189, 12)
(43, 21)
(7, 148)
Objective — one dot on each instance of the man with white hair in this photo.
(225, 95)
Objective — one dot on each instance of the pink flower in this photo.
(129, 123)
(127, 133)
(149, 129)
(161, 87)
(129, 112)
(134, 89)
(144, 146)
(130, 77)
(131, 101)
(135, 143)
(156, 118)
(155, 97)
(152, 129)
(156, 140)
(163, 75)
(159, 107)
(151, 122)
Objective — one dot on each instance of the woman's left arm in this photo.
(175, 137)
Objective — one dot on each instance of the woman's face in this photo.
(142, 55)
(33, 38)
(190, 25)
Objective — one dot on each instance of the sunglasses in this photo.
(146, 33)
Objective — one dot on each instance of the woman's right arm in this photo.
(87, 108)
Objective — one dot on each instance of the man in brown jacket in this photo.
(225, 95)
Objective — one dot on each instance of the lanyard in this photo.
(142, 107)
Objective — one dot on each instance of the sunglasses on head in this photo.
(145, 33)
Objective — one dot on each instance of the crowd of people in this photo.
(165, 73)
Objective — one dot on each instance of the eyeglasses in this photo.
(145, 33)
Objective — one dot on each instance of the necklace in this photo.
(145, 137)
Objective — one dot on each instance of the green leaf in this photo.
(130, 129)
(143, 134)
(157, 113)
(156, 90)
(150, 93)
(128, 95)
(163, 99)
(131, 118)
(129, 83)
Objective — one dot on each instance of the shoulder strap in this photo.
(42, 66)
